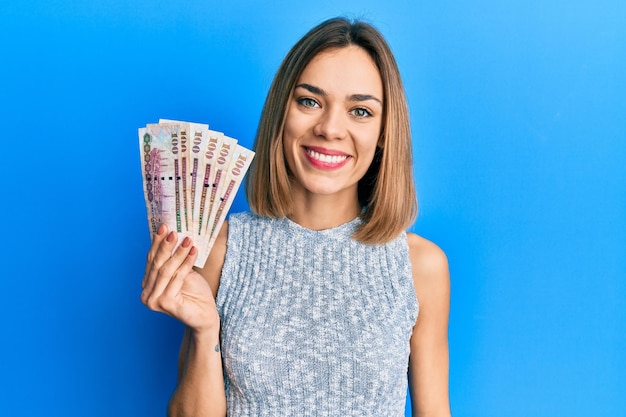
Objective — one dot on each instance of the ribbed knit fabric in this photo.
(314, 323)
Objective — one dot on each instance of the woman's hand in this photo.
(171, 285)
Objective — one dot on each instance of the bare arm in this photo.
(200, 390)
(174, 287)
(429, 360)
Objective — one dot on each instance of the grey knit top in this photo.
(314, 323)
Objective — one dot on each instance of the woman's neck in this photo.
(320, 212)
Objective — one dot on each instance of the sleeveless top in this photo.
(314, 323)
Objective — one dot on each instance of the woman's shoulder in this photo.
(242, 220)
(429, 264)
(242, 216)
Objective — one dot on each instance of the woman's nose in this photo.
(331, 124)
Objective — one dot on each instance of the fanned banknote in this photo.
(190, 177)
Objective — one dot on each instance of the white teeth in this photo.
(329, 159)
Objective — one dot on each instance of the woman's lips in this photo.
(325, 158)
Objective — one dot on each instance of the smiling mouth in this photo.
(324, 158)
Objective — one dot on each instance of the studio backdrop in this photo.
(519, 132)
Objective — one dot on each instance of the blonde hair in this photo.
(386, 192)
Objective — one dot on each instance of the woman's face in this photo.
(333, 122)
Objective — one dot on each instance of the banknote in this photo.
(205, 171)
(190, 177)
(158, 168)
(216, 180)
(194, 137)
(237, 167)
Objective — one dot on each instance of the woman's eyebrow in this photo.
(354, 97)
(364, 97)
(313, 89)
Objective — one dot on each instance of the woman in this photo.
(309, 304)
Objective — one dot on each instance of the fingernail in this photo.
(186, 242)
(161, 230)
(193, 251)
(170, 237)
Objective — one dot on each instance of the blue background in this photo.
(519, 122)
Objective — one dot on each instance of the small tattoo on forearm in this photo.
(217, 347)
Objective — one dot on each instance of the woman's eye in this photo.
(361, 112)
(307, 102)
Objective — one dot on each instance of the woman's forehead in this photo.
(345, 71)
